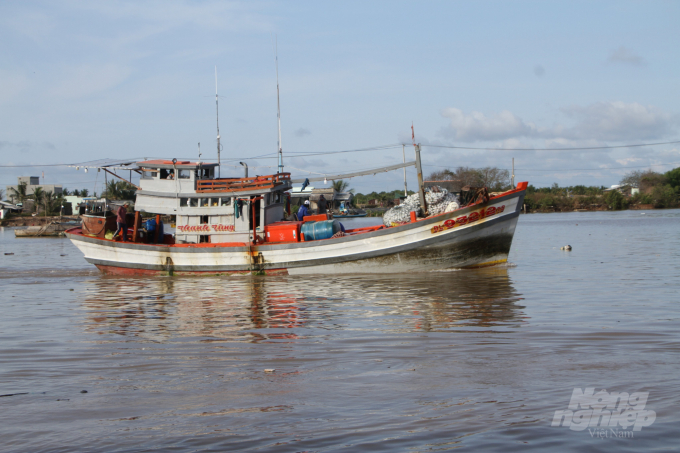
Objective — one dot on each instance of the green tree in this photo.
(651, 179)
(341, 186)
(38, 195)
(84, 193)
(48, 201)
(119, 190)
(2, 194)
(673, 178)
(615, 200)
(664, 197)
(19, 193)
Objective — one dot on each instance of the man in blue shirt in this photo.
(303, 211)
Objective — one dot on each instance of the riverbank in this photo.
(19, 221)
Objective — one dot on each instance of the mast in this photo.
(403, 155)
(421, 191)
(217, 111)
(278, 108)
(419, 171)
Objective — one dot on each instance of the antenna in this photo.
(278, 105)
(217, 111)
(199, 152)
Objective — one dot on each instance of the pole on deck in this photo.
(136, 226)
(403, 154)
(421, 190)
(158, 227)
(512, 181)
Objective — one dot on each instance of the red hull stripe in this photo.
(126, 271)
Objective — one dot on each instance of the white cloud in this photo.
(602, 121)
(618, 121)
(477, 126)
(625, 56)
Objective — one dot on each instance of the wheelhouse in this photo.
(209, 209)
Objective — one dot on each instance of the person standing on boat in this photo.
(323, 206)
(121, 222)
(303, 211)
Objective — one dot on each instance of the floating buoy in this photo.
(567, 248)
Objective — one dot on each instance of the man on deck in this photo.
(323, 205)
(303, 211)
(121, 222)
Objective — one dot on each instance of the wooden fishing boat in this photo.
(52, 229)
(236, 225)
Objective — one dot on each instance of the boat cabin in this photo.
(210, 209)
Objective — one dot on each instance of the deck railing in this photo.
(241, 184)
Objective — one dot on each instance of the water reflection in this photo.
(288, 308)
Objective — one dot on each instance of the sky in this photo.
(83, 81)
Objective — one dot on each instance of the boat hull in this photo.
(439, 242)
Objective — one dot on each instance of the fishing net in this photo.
(438, 199)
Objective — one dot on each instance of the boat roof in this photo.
(161, 163)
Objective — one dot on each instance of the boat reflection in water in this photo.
(252, 308)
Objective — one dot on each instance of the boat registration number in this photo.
(473, 217)
(204, 228)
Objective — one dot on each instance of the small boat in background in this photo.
(52, 229)
(348, 216)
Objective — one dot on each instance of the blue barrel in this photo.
(325, 229)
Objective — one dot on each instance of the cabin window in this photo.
(214, 202)
(193, 202)
(148, 174)
(204, 220)
(183, 202)
(203, 173)
(204, 239)
(204, 202)
(167, 174)
(184, 174)
(226, 201)
(276, 197)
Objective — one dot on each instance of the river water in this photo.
(470, 359)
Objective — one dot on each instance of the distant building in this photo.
(6, 208)
(32, 183)
(624, 189)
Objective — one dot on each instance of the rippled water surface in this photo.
(471, 359)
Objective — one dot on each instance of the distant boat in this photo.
(348, 216)
(53, 229)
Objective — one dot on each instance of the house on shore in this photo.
(32, 183)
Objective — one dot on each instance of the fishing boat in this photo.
(237, 225)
